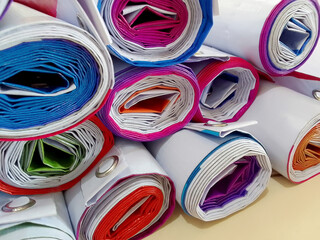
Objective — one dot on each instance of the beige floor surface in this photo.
(285, 211)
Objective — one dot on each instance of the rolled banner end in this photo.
(227, 90)
(148, 104)
(289, 36)
(304, 157)
(239, 181)
(4, 6)
(41, 92)
(148, 33)
(131, 201)
(38, 165)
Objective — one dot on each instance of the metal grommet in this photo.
(215, 124)
(316, 94)
(105, 167)
(18, 204)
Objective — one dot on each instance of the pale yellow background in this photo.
(284, 211)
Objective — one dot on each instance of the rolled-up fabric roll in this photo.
(150, 103)
(227, 88)
(55, 163)
(277, 36)
(54, 75)
(288, 128)
(153, 33)
(34, 217)
(132, 197)
(214, 177)
(4, 5)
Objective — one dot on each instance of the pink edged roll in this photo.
(150, 103)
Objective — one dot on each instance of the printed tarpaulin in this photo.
(288, 128)
(150, 103)
(305, 80)
(34, 217)
(4, 5)
(132, 196)
(55, 163)
(214, 176)
(53, 75)
(277, 36)
(156, 33)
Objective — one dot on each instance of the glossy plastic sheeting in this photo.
(156, 33)
(214, 177)
(289, 130)
(132, 197)
(150, 103)
(55, 163)
(227, 89)
(34, 217)
(277, 36)
(53, 75)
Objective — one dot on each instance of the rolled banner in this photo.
(60, 92)
(288, 128)
(150, 103)
(277, 36)
(34, 217)
(150, 33)
(132, 196)
(4, 5)
(55, 163)
(306, 80)
(227, 87)
(214, 177)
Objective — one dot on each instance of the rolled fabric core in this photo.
(289, 35)
(307, 153)
(156, 33)
(144, 203)
(150, 23)
(147, 104)
(55, 163)
(227, 90)
(233, 185)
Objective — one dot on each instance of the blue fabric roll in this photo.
(45, 67)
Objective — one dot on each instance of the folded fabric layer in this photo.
(288, 128)
(4, 5)
(55, 163)
(147, 104)
(227, 89)
(48, 6)
(214, 177)
(306, 80)
(34, 217)
(277, 36)
(132, 197)
(156, 33)
(53, 75)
